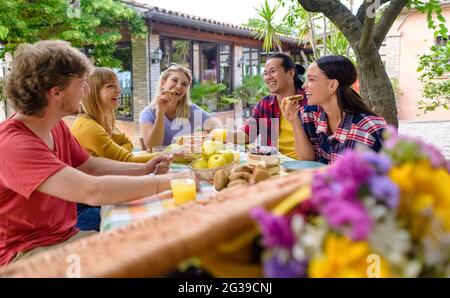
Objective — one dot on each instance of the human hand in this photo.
(159, 164)
(289, 110)
(164, 99)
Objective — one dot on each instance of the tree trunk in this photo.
(365, 37)
(324, 35)
(375, 86)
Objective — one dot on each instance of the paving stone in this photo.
(436, 133)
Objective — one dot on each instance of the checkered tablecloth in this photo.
(114, 216)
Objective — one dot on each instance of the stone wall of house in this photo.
(390, 54)
(237, 67)
(155, 68)
(140, 75)
(237, 78)
(408, 39)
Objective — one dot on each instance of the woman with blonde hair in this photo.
(95, 128)
(171, 112)
(96, 131)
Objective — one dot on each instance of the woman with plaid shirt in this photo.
(335, 118)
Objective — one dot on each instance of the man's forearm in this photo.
(114, 190)
(98, 166)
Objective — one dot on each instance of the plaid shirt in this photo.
(355, 130)
(264, 120)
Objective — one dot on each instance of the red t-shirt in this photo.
(29, 218)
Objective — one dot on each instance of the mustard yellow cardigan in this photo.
(94, 138)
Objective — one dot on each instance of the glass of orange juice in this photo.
(183, 189)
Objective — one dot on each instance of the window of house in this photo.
(209, 62)
(225, 65)
(297, 58)
(251, 62)
(195, 62)
(123, 53)
(181, 52)
(175, 51)
(165, 47)
(263, 59)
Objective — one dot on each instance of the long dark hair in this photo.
(340, 68)
(287, 63)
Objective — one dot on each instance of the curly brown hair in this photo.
(38, 68)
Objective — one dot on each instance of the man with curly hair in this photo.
(44, 171)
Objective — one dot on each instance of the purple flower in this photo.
(384, 190)
(382, 163)
(274, 268)
(276, 230)
(351, 166)
(343, 213)
(434, 154)
(391, 137)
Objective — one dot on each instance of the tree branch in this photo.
(391, 13)
(339, 14)
(361, 14)
(367, 31)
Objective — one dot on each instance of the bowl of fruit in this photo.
(213, 158)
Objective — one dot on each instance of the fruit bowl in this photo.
(208, 174)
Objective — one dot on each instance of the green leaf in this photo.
(100, 24)
(3, 32)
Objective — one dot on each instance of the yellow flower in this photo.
(425, 195)
(344, 258)
(401, 176)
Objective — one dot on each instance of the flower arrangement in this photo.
(370, 214)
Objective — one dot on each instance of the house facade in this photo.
(409, 38)
(214, 52)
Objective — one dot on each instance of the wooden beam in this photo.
(195, 34)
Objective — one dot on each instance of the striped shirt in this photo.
(354, 131)
(265, 120)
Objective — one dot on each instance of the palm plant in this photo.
(267, 29)
(337, 44)
(304, 24)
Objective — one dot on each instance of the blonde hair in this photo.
(38, 68)
(183, 106)
(92, 104)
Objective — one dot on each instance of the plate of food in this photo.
(293, 165)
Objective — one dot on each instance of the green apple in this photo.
(211, 147)
(201, 163)
(216, 160)
(229, 156)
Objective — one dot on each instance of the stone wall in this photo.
(140, 75)
(390, 54)
(155, 68)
